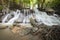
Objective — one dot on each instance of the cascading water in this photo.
(12, 20)
(41, 17)
(27, 16)
(4, 19)
(46, 19)
(16, 16)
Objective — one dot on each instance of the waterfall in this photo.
(5, 18)
(41, 17)
(46, 19)
(13, 19)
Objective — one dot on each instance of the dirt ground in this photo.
(24, 33)
(7, 34)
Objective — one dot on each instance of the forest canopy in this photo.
(18, 4)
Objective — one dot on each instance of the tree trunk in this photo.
(42, 4)
(38, 4)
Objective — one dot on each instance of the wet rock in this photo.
(34, 29)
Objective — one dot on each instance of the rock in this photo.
(22, 30)
(34, 29)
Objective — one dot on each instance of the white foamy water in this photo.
(5, 18)
(41, 17)
(46, 19)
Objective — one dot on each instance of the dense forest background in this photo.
(20, 4)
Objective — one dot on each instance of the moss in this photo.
(1, 7)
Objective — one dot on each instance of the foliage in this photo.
(52, 3)
(1, 7)
(29, 3)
